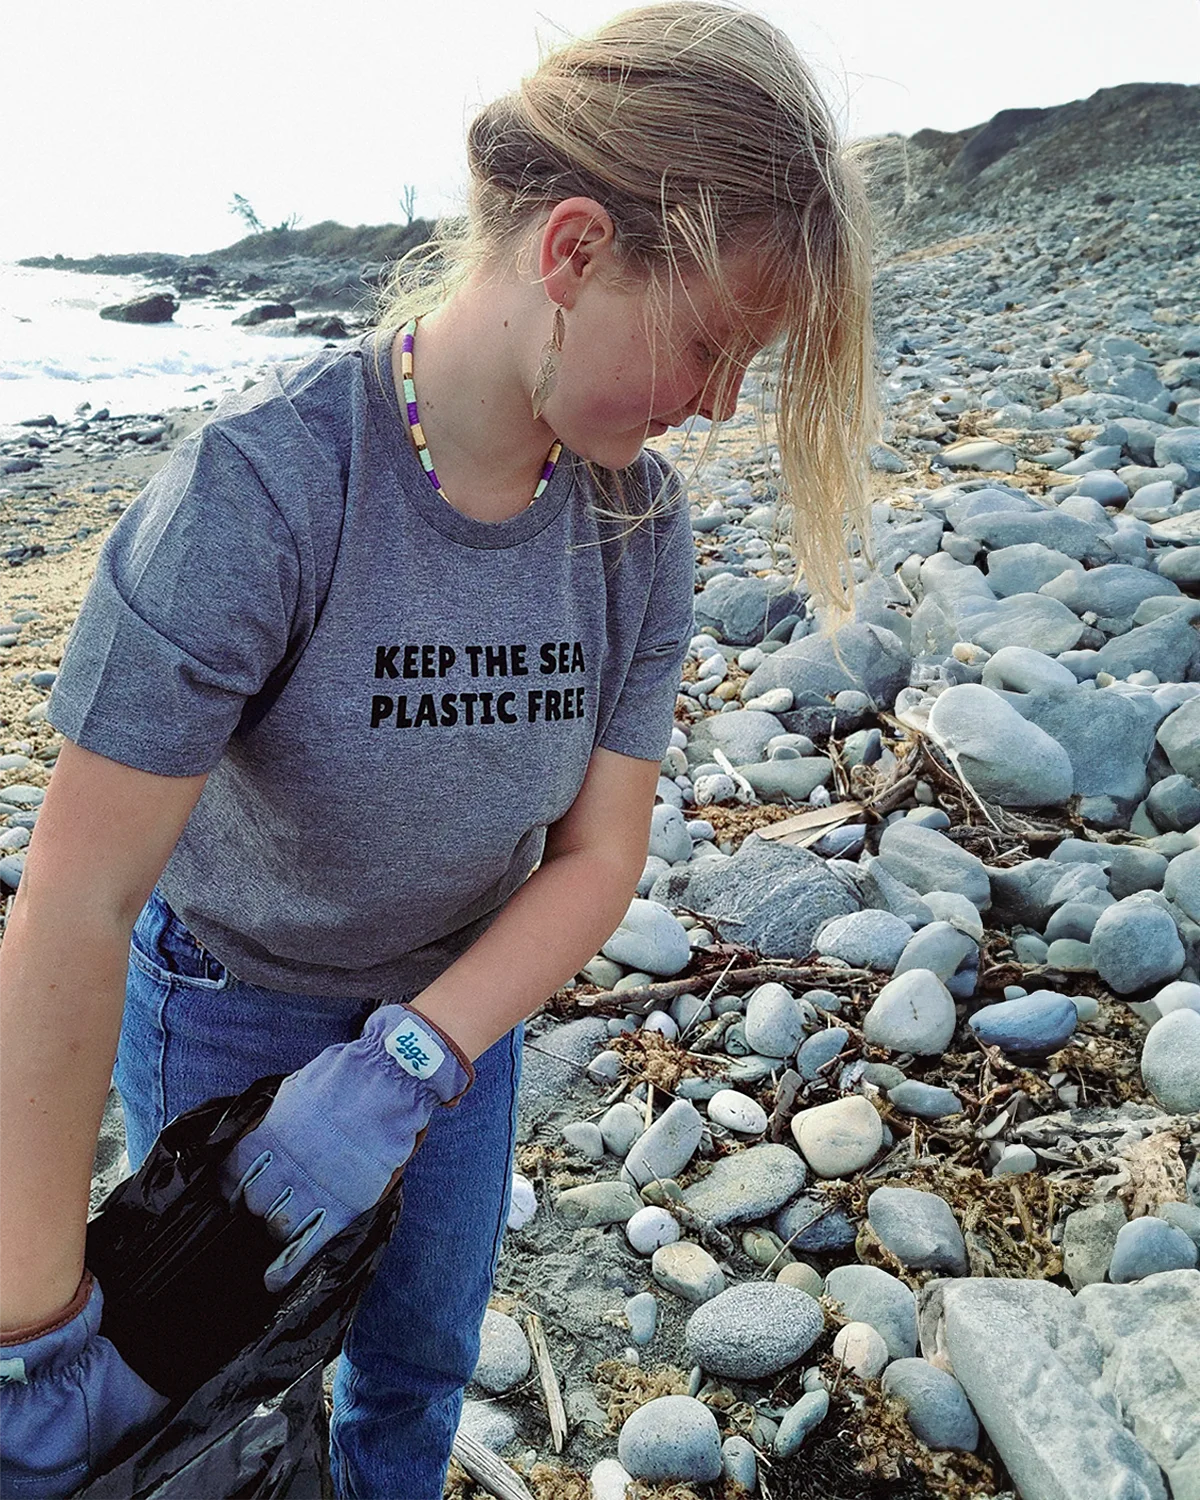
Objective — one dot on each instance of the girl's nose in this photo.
(718, 401)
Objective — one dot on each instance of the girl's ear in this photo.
(576, 242)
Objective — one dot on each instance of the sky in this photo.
(130, 124)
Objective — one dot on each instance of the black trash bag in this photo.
(185, 1306)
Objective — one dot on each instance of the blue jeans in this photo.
(192, 1032)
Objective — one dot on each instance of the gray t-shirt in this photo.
(449, 678)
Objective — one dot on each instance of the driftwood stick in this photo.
(643, 999)
(488, 1470)
(555, 1409)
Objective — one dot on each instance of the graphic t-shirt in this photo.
(447, 679)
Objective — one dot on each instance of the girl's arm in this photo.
(554, 923)
(103, 836)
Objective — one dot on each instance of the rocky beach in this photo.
(863, 1159)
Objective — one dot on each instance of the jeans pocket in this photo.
(162, 947)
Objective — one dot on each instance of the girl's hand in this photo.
(338, 1131)
(66, 1399)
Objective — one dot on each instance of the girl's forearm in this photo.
(549, 928)
(62, 993)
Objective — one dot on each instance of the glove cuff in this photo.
(52, 1324)
(464, 1061)
(422, 1049)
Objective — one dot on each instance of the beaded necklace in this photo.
(414, 421)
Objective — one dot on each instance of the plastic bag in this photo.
(185, 1306)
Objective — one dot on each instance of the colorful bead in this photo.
(414, 421)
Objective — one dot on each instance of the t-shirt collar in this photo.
(392, 425)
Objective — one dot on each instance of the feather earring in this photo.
(548, 369)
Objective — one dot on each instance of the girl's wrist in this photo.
(56, 1320)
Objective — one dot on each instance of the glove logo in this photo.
(12, 1372)
(416, 1052)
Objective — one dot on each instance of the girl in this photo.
(364, 709)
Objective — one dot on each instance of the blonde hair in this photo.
(701, 131)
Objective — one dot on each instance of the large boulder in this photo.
(873, 661)
(1007, 759)
(770, 896)
(744, 609)
(1107, 736)
(742, 736)
(1114, 591)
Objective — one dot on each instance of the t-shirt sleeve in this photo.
(645, 710)
(188, 611)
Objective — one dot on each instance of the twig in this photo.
(488, 1470)
(551, 1393)
(688, 1217)
(694, 1024)
(643, 999)
(899, 791)
(745, 792)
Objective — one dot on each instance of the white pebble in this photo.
(605, 1067)
(524, 1202)
(651, 1227)
(861, 1350)
(609, 1480)
(660, 1021)
(737, 1111)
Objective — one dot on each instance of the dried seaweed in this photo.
(653, 1058)
(734, 823)
(622, 1388)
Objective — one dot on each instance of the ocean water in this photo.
(56, 351)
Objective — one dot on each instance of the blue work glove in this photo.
(338, 1131)
(67, 1398)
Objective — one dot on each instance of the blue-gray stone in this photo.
(742, 737)
(819, 1049)
(1185, 1216)
(873, 660)
(870, 939)
(743, 609)
(919, 1228)
(1025, 567)
(747, 1184)
(1114, 590)
(820, 1226)
(1052, 528)
(753, 1329)
(1004, 757)
(928, 861)
(1134, 944)
(1168, 647)
(1181, 445)
(940, 947)
(1107, 737)
(1033, 1026)
(924, 1100)
(1149, 1245)
(936, 1405)
(1076, 919)
(800, 1420)
(869, 1295)
(642, 1313)
(770, 896)
(672, 1438)
(1174, 804)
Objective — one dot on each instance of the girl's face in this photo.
(618, 385)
